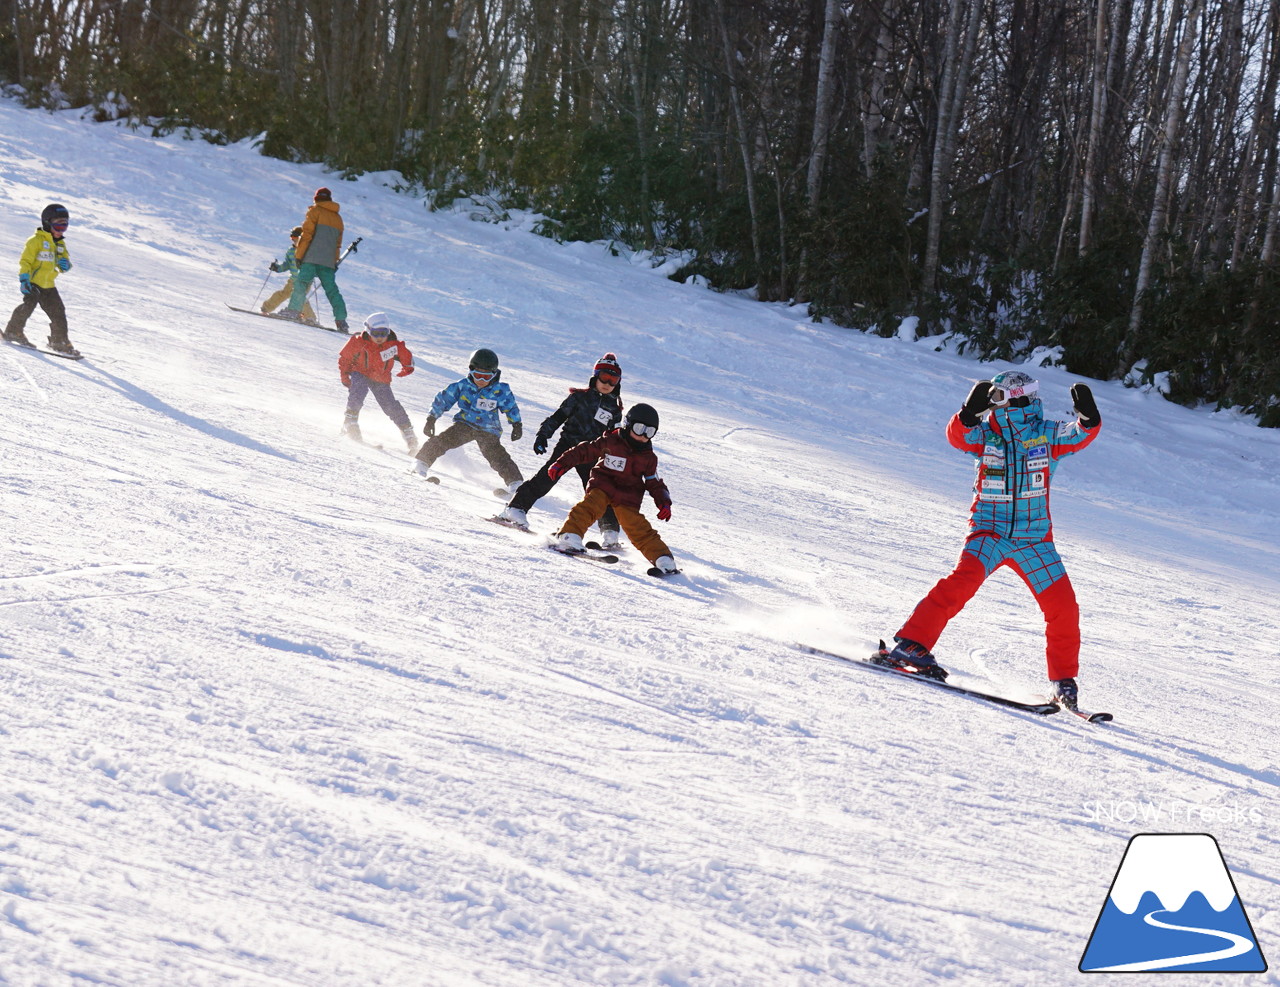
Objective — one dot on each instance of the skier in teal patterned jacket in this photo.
(1002, 426)
(481, 397)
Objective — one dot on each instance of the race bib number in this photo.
(603, 416)
(618, 463)
(486, 404)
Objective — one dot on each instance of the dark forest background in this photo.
(1095, 175)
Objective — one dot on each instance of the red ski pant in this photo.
(1040, 568)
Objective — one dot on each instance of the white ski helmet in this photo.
(1013, 386)
(377, 323)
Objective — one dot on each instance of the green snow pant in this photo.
(302, 284)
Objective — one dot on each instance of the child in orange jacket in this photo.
(365, 365)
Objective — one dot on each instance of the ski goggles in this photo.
(381, 333)
(608, 377)
(648, 431)
(1000, 396)
(59, 226)
(483, 378)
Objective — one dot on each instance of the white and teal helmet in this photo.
(1013, 387)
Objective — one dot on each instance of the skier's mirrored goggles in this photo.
(482, 377)
(60, 225)
(1001, 396)
(648, 431)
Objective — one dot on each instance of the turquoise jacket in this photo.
(1017, 452)
(478, 408)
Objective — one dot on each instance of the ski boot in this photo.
(513, 515)
(341, 324)
(665, 564)
(609, 539)
(351, 428)
(907, 656)
(19, 337)
(1065, 693)
(410, 439)
(63, 346)
(419, 468)
(569, 543)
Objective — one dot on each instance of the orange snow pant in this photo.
(282, 296)
(637, 527)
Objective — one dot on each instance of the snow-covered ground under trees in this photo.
(274, 712)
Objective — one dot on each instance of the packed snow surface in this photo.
(275, 712)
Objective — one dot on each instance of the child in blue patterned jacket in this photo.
(481, 397)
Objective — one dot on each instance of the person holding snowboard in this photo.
(1002, 425)
(586, 414)
(623, 467)
(44, 257)
(317, 254)
(364, 366)
(290, 266)
(480, 396)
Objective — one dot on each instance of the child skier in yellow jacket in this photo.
(43, 259)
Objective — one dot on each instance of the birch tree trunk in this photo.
(822, 111)
(1097, 114)
(1164, 173)
(950, 99)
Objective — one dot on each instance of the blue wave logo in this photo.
(1173, 908)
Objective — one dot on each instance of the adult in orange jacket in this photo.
(365, 366)
(317, 255)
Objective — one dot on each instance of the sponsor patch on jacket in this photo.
(1037, 452)
(618, 463)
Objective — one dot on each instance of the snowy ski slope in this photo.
(274, 712)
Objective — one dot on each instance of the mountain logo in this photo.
(1172, 908)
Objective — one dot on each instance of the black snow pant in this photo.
(459, 434)
(49, 300)
(540, 484)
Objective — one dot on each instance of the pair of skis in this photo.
(591, 552)
(40, 349)
(1043, 708)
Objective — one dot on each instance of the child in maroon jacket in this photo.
(365, 365)
(625, 467)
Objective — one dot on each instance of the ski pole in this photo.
(262, 289)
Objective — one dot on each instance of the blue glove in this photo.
(24, 282)
(64, 264)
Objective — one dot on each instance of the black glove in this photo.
(275, 268)
(1086, 407)
(430, 427)
(517, 430)
(978, 401)
(540, 444)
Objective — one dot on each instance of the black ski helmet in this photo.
(484, 360)
(640, 414)
(51, 212)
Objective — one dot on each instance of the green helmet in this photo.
(484, 360)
